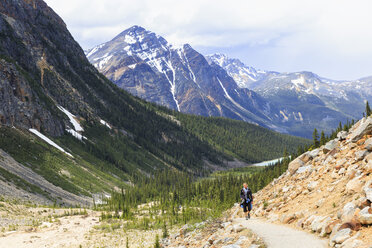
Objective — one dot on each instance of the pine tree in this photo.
(323, 139)
(368, 110)
(157, 243)
(315, 138)
(127, 243)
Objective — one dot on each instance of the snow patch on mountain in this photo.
(49, 141)
(74, 122)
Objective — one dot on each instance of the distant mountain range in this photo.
(146, 65)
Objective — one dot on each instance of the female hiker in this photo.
(247, 198)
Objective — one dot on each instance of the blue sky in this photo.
(332, 38)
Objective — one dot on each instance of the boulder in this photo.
(294, 165)
(368, 144)
(288, 218)
(316, 225)
(312, 185)
(238, 228)
(225, 224)
(342, 135)
(365, 216)
(330, 146)
(314, 153)
(353, 224)
(340, 236)
(365, 127)
(368, 167)
(348, 212)
(328, 227)
(354, 186)
(305, 168)
(359, 155)
(353, 242)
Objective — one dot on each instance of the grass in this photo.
(89, 175)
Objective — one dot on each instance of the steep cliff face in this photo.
(327, 190)
(180, 78)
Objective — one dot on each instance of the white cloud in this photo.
(330, 37)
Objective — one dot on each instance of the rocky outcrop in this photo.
(327, 191)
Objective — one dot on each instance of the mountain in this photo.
(179, 78)
(245, 76)
(68, 134)
(314, 100)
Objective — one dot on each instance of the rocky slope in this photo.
(327, 191)
(180, 78)
(302, 96)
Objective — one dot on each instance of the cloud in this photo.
(330, 37)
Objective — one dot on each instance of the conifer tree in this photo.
(322, 138)
(368, 109)
(127, 243)
(315, 138)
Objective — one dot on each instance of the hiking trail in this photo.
(279, 236)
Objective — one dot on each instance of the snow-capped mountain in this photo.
(302, 95)
(245, 76)
(147, 66)
(180, 78)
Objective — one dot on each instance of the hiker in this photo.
(247, 198)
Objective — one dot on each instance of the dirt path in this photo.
(69, 232)
(279, 236)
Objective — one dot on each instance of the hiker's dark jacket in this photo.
(249, 194)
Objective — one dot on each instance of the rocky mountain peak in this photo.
(244, 75)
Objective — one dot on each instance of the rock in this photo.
(312, 185)
(342, 171)
(352, 242)
(368, 190)
(363, 202)
(294, 165)
(212, 238)
(348, 212)
(254, 246)
(184, 230)
(227, 239)
(354, 186)
(288, 218)
(225, 224)
(359, 155)
(328, 227)
(368, 167)
(353, 224)
(368, 144)
(303, 169)
(231, 246)
(365, 127)
(316, 225)
(314, 153)
(340, 236)
(319, 203)
(365, 216)
(342, 135)
(238, 228)
(330, 146)
(241, 240)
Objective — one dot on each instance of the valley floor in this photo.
(24, 226)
